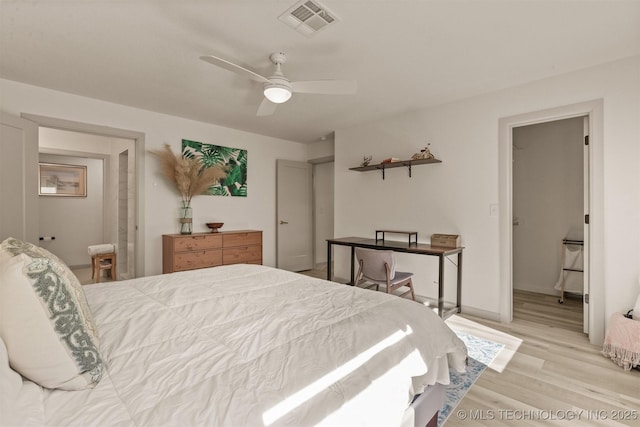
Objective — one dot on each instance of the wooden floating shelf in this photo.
(401, 163)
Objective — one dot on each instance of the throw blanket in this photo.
(622, 342)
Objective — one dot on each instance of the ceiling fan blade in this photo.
(235, 68)
(326, 87)
(266, 108)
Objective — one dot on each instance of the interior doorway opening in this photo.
(548, 205)
(594, 205)
(323, 210)
(103, 215)
(121, 140)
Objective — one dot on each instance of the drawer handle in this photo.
(197, 237)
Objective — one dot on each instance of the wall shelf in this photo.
(401, 163)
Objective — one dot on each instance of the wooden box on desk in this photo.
(445, 240)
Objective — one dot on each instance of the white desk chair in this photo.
(379, 268)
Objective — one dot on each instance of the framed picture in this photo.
(234, 159)
(62, 180)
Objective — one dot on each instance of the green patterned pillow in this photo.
(45, 321)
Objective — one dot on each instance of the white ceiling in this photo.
(405, 54)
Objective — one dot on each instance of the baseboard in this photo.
(483, 314)
(78, 267)
(536, 289)
(471, 311)
(320, 266)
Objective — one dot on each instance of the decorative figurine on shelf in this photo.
(366, 161)
(425, 153)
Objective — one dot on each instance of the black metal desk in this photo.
(411, 248)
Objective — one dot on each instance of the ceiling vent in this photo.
(308, 17)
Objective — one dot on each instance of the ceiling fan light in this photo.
(277, 94)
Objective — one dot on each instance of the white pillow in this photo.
(10, 383)
(45, 321)
(20, 402)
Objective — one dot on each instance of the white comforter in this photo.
(247, 345)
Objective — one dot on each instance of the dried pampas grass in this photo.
(188, 174)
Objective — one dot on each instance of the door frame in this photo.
(314, 219)
(28, 206)
(139, 142)
(594, 110)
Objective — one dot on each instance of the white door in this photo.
(294, 203)
(18, 178)
(585, 183)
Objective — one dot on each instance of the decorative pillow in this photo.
(10, 382)
(45, 320)
(20, 401)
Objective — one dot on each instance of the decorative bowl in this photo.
(214, 226)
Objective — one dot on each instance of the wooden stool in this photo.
(103, 257)
(103, 262)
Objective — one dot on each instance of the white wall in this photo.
(321, 149)
(547, 200)
(257, 211)
(455, 196)
(75, 222)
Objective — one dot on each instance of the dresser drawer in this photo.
(242, 254)
(197, 259)
(196, 243)
(241, 239)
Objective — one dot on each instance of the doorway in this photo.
(548, 222)
(103, 214)
(594, 274)
(120, 140)
(315, 203)
(323, 211)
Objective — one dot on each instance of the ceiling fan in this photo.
(278, 88)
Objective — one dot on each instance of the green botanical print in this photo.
(53, 288)
(235, 160)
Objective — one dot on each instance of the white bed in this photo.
(247, 345)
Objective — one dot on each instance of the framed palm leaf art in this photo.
(234, 159)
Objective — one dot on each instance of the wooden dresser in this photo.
(199, 250)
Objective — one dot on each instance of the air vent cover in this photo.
(308, 17)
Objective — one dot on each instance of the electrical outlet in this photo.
(493, 209)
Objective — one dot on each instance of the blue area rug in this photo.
(481, 352)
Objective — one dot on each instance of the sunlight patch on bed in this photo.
(316, 387)
(394, 395)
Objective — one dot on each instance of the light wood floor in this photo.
(554, 370)
(84, 275)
